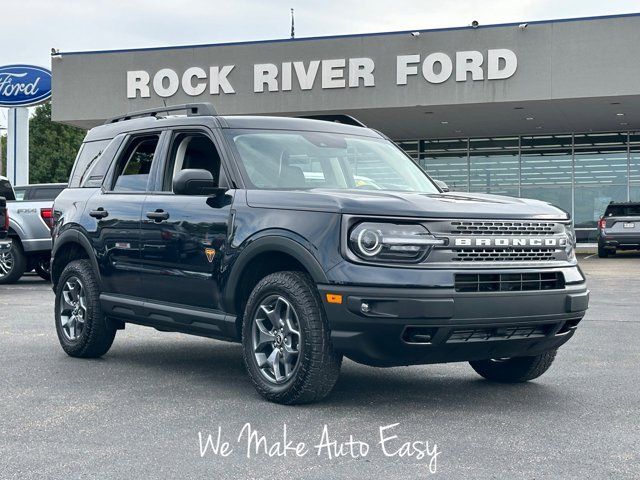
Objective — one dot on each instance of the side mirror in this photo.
(443, 186)
(193, 181)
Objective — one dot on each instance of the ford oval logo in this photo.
(23, 85)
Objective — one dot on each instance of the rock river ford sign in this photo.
(24, 85)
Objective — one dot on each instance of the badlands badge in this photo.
(210, 252)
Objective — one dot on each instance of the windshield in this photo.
(277, 159)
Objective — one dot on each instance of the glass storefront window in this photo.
(558, 196)
(546, 142)
(546, 167)
(601, 167)
(451, 169)
(492, 171)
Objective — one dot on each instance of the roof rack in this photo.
(193, 110)
(337, 118)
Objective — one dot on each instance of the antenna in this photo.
(293, 28)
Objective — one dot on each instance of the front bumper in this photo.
(404, 326)
(5, 246)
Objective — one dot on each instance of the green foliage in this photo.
(52, 147)
(3, 155)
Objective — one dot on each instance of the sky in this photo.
(30, 28)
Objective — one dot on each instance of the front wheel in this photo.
(80, 324)
(286, 340)
(516, 369)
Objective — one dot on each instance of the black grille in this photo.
(508, 282)
(499, 333)
(502, 228)
(502, 255)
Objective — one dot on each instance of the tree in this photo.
(3, 155)
(52, 147)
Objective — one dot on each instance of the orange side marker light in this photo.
(334, 298)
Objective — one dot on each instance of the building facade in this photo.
(547, 110)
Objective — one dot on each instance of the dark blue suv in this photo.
(306, 240)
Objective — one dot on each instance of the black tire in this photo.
(318, 366)
(605, 252)
(18, 264)
(43, 268)
(96, 335)
(516, 369)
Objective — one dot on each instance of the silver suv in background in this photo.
(30, 209)
(619, 228)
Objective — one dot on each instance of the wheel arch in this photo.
(71, 245)
(273, 249)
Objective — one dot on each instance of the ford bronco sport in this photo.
(306, 240)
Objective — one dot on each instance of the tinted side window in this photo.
(622, 210)
(20, 192)
(133, 167)
(88, 156)
(49, 193)
(192, 150)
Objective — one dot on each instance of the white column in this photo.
(18, 146)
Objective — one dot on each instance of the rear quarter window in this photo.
(90, 165)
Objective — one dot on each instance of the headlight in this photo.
(391, 242)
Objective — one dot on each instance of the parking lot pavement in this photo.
(137, 412)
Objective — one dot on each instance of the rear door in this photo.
(184, 236)
(113, 214)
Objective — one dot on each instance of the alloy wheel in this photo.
(73, 308)
(276, 339)
(6, 263)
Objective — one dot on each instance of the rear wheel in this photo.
(605, 252)
(286, 340)
(516, 369)
(81, 326)
(43, 268)
(12, 264)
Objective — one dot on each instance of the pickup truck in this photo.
(30, 212)
(5, 244)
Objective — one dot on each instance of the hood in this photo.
(406, 204)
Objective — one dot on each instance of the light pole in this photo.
(1, 150)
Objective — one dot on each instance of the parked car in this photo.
(5, 243)
(619, 228)
(31, 218)
(207, 225)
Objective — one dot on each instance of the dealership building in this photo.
(547, 110)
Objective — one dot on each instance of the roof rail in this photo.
(337, 118)
(193, 110)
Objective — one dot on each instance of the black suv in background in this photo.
(619, 228)
(306, 241)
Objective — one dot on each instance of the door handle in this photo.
(158, 216)
(99, 213)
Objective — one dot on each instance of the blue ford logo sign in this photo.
(23, 85)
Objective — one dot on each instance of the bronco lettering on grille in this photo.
(510, 242)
